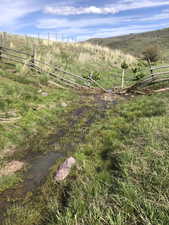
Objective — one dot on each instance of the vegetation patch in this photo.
(121, 176)
(9, 181)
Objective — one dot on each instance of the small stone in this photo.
(44, 94)
(63, 104)
(64, 169)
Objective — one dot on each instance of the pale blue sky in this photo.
(83, 19)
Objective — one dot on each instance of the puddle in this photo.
(39, 170)
(33, 178)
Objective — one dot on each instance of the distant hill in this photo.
(136, 43)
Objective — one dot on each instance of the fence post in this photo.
(33, 59)
(151, 70)
(26, 41)
(1, 43)
(0, 53)
(48, 39)
(4, 38)
(122, 79)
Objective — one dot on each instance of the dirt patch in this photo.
(109, 97)
(11, 168)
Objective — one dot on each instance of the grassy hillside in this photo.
(135, 43)
(79, 58)
(120, 144)
(32, 105)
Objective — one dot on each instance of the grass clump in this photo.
(22, 215)
(9, 181)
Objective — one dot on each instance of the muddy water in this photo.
(34, 177)
(39, 170)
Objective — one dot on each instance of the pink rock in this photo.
(64, 169)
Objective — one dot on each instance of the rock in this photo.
(64, 169)
(63, 104)
(44, 94)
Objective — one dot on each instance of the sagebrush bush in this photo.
(151, 54)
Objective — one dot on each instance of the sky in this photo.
(81, 20)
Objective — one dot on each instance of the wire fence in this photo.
(38, 37)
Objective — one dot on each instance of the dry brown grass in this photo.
(81, 52)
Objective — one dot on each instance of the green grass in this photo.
(9, 181)
(121, 176)
(28, 117)
(30, 109)
(34, 110)
(122, 173)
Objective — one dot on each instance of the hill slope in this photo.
(135, 43)
(120, 144)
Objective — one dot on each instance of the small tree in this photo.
(138, 73)
(151, 54)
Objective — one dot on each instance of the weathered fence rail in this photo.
(151, 79)
(29, 59)
(66, 78)
(159, 67)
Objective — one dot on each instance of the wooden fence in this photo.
(157, 75)
(29, 59)
(66, 78)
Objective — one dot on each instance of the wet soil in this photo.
(36, 174)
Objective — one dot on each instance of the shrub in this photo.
(138, 73)
(94, 75)
(124, 65)
(151, 54)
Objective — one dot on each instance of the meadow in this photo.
(120, 143)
